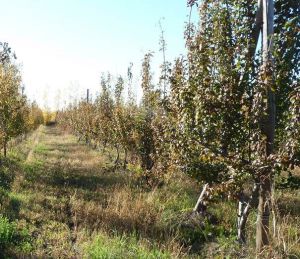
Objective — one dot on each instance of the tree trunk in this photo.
(118, 156)
(5, 148)
(263, 215)
(125, 159)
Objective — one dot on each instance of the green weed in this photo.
(105, 247)
(12, 236)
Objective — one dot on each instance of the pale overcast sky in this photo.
(64, 45)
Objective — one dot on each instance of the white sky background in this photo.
(63, 46)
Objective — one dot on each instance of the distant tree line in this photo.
(17, 115)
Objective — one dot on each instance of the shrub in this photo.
(12, 236)
(7, 173)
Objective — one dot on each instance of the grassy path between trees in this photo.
(36, 139)
(67, 201)
(73, 205)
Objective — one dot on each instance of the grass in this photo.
(104, 246)
(69, 202)
(40, 148)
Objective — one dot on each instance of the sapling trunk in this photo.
(5, 148)
(118, 156)
(263, 213)
(125, 159)
(5, 143)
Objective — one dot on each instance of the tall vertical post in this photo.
(262, 228)
(87, 101)
(87, 95)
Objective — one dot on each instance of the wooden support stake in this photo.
(200, 207)
(263, 213)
